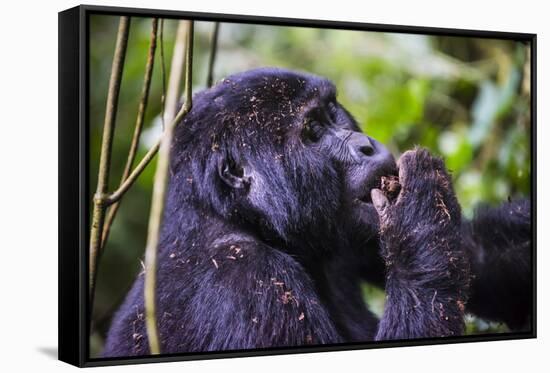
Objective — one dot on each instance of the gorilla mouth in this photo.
(366, 198)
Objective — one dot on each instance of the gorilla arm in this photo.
(498, 241)
(427, 272)
(238, 295)
(257, 297)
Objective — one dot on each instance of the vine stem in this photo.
(99, 206)
(213, 49)
(144, 98)
(159, 198)
(176, 73)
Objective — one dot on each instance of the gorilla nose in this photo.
(362, 145)
(368, 150)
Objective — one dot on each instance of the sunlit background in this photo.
(466, 99)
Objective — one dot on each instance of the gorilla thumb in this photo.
(379, 200)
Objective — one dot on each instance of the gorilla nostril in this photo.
(367, 150)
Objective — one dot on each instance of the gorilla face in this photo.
(331, 130)
(278, 154)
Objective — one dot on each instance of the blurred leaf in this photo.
(491, 102)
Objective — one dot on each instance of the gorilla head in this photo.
(273, 152)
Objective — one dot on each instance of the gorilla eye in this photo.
(312, 131)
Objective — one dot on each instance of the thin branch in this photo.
(163, 72)
(213, 50)
(169, 110)
(188, 84)
(131, 179)
(158, 201)
(176, 73)
(138, 127)
(98, 215)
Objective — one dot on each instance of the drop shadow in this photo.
(51, 352)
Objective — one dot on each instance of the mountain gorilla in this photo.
(275, 214)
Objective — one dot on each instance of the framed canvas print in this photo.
(236, 186)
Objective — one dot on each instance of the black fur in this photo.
(427, 272)
(499, 243)
(269, 228)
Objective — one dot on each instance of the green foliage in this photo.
(475, 325)
(465, 99)
(374, 297)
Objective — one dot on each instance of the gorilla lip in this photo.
(366, 198)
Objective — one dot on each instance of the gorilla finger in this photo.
(419, 166)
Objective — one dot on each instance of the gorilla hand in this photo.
(427, 271)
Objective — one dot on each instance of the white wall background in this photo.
(28, 184)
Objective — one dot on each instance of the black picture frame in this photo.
(74, 204)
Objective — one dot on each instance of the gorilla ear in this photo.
(234, 175)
